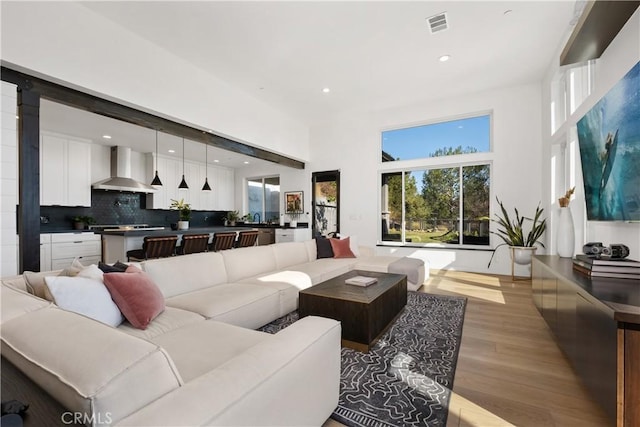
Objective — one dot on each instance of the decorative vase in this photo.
(293, 223)
(183, 225)
(565, 235)
(522, 254)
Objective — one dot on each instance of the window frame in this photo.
(442, 162)
(264, 199)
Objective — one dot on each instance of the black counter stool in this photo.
(247, 238)
(193, 243)
(154, 247)
(222, 241)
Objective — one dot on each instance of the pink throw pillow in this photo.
(135, 294)
(341, 248)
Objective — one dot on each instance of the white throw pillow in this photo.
(353, 244)
(92, 272)
(86, 296)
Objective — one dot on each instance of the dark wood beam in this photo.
(29, 180)
(84, 101)
(600, 23)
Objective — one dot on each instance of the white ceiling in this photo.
(371, 54)
(66, 120)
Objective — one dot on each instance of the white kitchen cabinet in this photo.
(292, 234)
(223, 187)
(65, 171)
(65, 247)
(170, 173)
(45, 252)
(221, 180)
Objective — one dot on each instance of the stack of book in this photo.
(621, 268)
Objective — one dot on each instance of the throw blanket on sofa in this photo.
(408, 266)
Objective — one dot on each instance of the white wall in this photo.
(72, 44)
(621, 55)
(353, 146)
(8, 182)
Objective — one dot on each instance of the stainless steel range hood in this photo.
(120, 179)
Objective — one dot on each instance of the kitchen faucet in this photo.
(254, 217)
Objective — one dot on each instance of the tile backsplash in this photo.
(111, 207)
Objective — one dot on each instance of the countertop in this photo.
(168, 230)
(621, 295)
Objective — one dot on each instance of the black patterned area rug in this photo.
(407, 377)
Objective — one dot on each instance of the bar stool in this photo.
(247, 238)
(193, 243)
(222, 241)
(154, 247)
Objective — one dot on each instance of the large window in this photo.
(264, 198)
(430, 140)
(446, 201)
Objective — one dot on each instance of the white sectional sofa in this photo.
(200, 361)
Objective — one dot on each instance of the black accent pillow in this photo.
(324, 248)
(106, 268)
(121, 265)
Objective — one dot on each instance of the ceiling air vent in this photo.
(438, 22)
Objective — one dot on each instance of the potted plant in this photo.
(80, 222)
(513, 234)
(184, 212)
(232, 217)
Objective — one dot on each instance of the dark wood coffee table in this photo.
(365, 312)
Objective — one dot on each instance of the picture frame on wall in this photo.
(293, 202)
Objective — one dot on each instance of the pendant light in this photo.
(156, 179)
(183, 184)
(206, 186)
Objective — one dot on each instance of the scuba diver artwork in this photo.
(609, 139)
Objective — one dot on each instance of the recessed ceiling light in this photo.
(245, 162)
(216, 161)
(172, 151)
(444, 58)
(17, 117)
(326, 90)
(106, 136)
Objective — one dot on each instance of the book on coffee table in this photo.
(361, 281)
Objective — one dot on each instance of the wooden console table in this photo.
(596, 323)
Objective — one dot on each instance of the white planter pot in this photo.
(183, 225)
(293, 223)
(522, 255)
(565, 235)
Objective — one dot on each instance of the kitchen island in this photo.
(116, 243)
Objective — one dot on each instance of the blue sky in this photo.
(420, 141)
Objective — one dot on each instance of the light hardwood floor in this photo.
(510, 370)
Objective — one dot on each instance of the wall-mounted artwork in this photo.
(293, 202)
(609, 138)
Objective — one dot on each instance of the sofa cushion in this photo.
(312, 251)
(324, 249)
(170, 319)
(135, 294)
(248, 262)
(16, 302)
(194, 354)
(321, 269)
(289, 253)
(250, 306)
(341, 248)
(290, 380)
(181, 274)
(85, 296)
(87, 365)
(35, 282)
